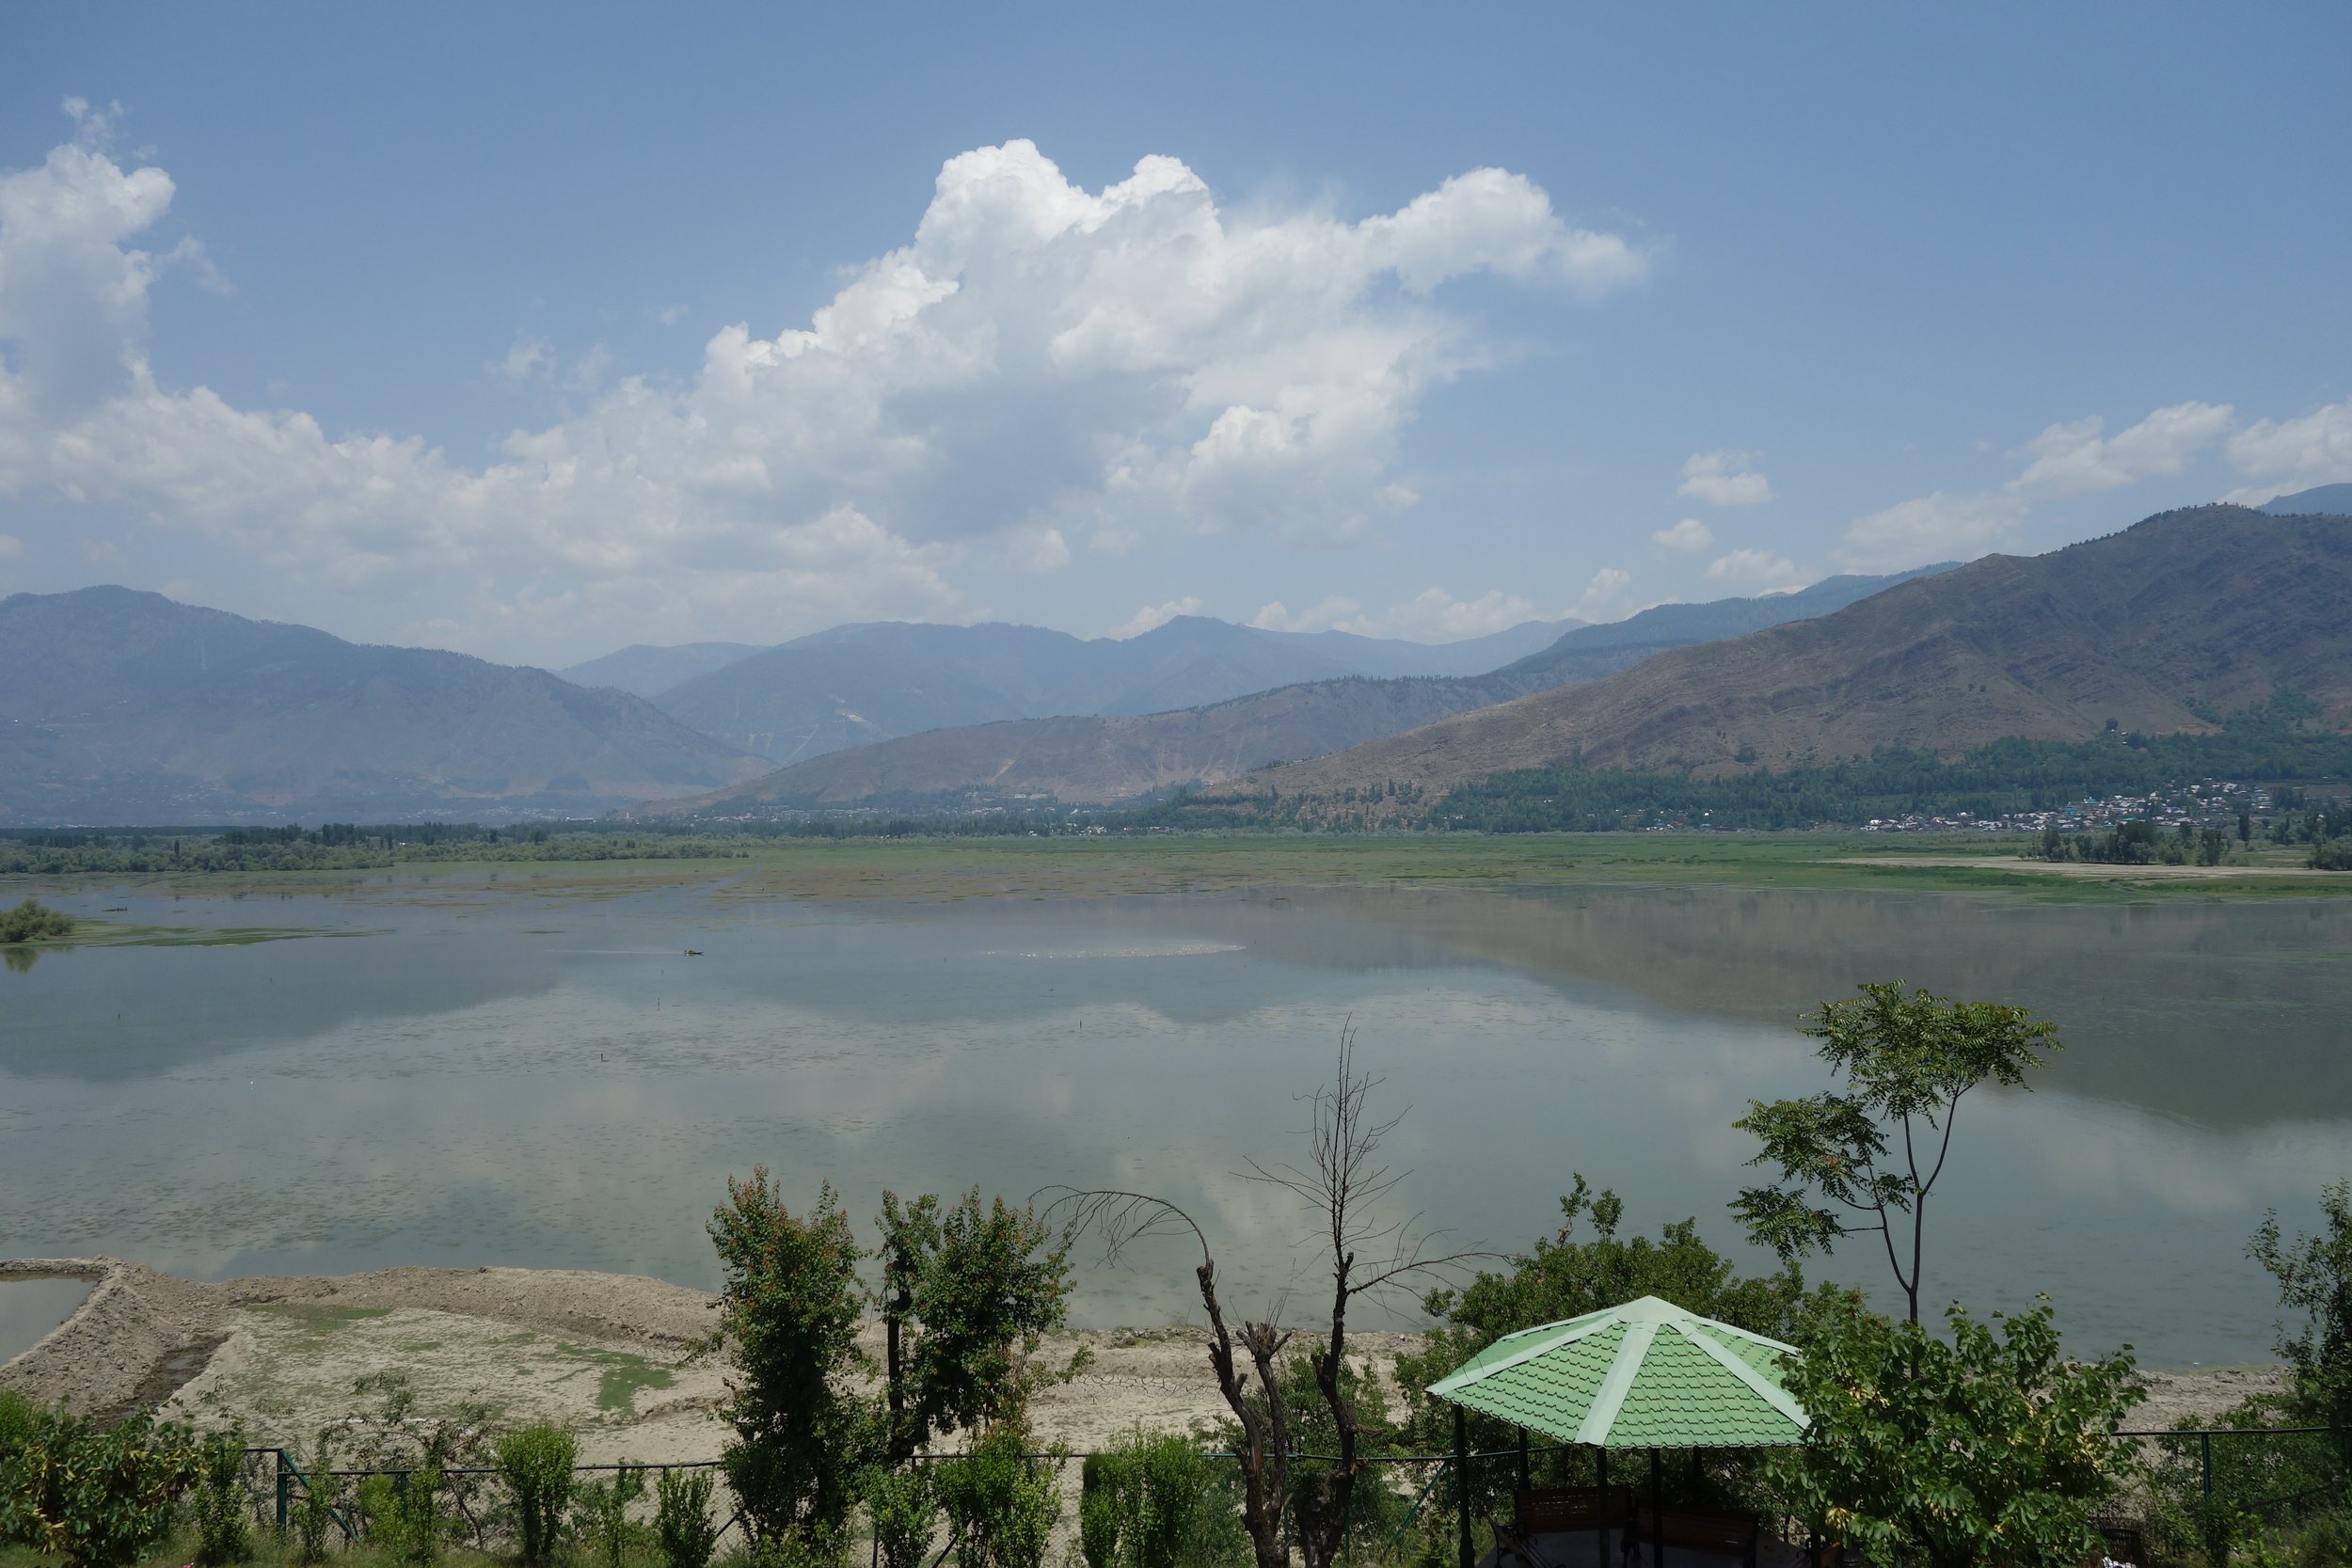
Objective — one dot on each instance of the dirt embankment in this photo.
(621, 1359)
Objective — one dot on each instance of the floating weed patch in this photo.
(107, 933)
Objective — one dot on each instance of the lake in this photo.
(532, 1071)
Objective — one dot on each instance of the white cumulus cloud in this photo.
(1688, 534)
(1153, 615)
(1038, 362)
(1938, 527)
(1326, 616)
(1757, 569)
(1433, 615)
(1727, 477)
(2077, 458)
(2295, 454)
(1604, 596)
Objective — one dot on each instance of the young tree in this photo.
(1342, 1184)
(2315, 1276)
(1991, 1450)
(968, 1294)
(790, 1307)
(1863, 1158)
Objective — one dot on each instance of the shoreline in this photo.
(623, 1360)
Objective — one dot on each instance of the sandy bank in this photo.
(622, 1359)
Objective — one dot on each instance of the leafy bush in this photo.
(222, 1508)
(20, 1417)
(682, 1525)
(536, 1466)
(903, 1505)
(399, 1512)
(1000, 1503)
(2264, 1476)
(313, 1507)
(1156, 1500)
(97, 1496)
(600, 1513)
(1991, 1448)
(975, 1291)
(34, 922)
(791, 1308)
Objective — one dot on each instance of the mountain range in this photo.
(1111, 755)
(124, 706)
(2161, 627)
(855, 685)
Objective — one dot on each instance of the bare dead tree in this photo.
(1122, 1218)
(1343, 1182)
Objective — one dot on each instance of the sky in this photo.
(534, 331)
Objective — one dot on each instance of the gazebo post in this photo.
(1657, 1509)
(1600, 1512)
(1462, 1488)
(1523, 1483)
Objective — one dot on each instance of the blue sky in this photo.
(535, 330)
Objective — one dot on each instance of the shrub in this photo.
(1990, 1448)
(791, 1309)
(903, 1505)
(999, 1500)
(1154, 1501)
(32, 921)
(682, 1525)
(536, 1466)
(314, 1506)
(97, 1496)
(399, 1513)
(221, 1508)
(601, 1513)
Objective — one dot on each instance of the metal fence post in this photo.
(2204, 1446)
(1461, 1489)
(285, 1486)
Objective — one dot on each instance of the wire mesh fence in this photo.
(2190, 1496)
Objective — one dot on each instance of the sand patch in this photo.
(289, 1369)
(620, 1359)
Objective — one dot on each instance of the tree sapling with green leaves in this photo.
(2314, 1277)
(790, 1307)
(1863, 1159)
(536, 1466)
(1993, 1448)
(683, 1531)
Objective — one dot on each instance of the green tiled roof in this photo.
(1645, 1375)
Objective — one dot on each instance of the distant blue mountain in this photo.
(2326, 500)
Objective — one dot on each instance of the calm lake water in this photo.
(29, 1308)
(536, 1074)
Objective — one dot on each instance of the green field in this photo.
(927, 869)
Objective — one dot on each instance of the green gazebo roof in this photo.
(1644, 1375)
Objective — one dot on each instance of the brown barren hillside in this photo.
(2211, 607)
(1094, 759)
